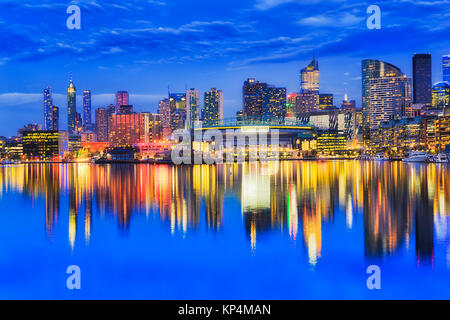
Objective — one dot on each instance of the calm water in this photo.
(289, 230)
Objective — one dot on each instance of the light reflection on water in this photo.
(400, 206)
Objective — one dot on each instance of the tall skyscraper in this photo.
(446, 68)
(385, 92)
(48, 110)
(122, 99)
(71, 108)
(55, 119)
(274, 103)
(422, 79)
(213, 106)
(309, 77)
(101, 124)
(87, 114)
(192, 108)
(164, 112)
(177, 110)
(253, 99)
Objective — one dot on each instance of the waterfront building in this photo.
(309, 77)
(441, 95)
(122, 99)
(87, 113)
(325, 101)
(331, 143)
(74, 143)
(446, 68)
(164, 113)
(48, 109)
(437, 133)
(40, 145)
(101, 124)
(72, 108)
(422, 79)
(154, 131)
(192, 108)
(63, 142)
(55, 119)
(127, 129)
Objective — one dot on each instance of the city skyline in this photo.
(243, 47)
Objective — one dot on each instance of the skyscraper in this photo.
(446, 68)
(71, 108)
(441, 95)
(128, 129)
(177, 103)
(192, 107)
(422, 79)
(385, 93)
(101, 124)
(87, 114)
(309, 77)
(48, 104)
(325, 101)
(164, 112)
(253, 99)
(213, 106)
(122, 99)
(274, 103)
(55, 119)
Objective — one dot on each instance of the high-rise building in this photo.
(253, 99)
(87, 114)
(446, 68)
(422, 79)
(386, 93)
(55, 119)
(348, 105)
(192, 108)
(274, 103)
(128, 129)
(122, 99)
(325, 101)
(48, 104)
(213, 106)
(40, 144)
(309, 77)
(71, 108)
(164, 112)
(441, 95)
(306, 102)
(101, 124)
(153, 123)
(177, 103)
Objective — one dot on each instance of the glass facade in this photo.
(213, 106)
(422, 79)
(71, 108)
(87, 114)
(446, 68)
(441, 95)
(48, 109)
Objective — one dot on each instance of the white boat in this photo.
(380, 157)
(364, 157)
(442, 158)
(418, 156)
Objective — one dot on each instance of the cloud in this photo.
(344, 19)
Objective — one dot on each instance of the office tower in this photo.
(164, 112)
(253, 99)
(213, 106)
(87, 114)
(348, 105)
(386, 93)
(128, 129)
(122, 99)
(101, 124)
(48, 103)
(422, 79)
(309, 77)
(274, 103)
(110, 110)
(306, 102)
(153, 123)
(71, 108)
(192, 108)
(441, 95)
(325, 101)
(446, 68)
(177, 103)
(55, 119)
(40, 144)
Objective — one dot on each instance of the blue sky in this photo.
(144, 46)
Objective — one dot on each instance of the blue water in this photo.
(293, 230)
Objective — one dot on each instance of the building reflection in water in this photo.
(395, 202)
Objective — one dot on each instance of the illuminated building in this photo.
(63, 142)
(309, 77)
(72, 108)
(94, 147)
(331, 143)
(87, 114)
(78, 123)
(164, 113)
(274, 103)
(48, 109)
(192, 108)
(55, 119)
(74, 143)
(40, 145)
(122, 99)
(101, 124)
(438, 133)
(177, 102)
(306, 102)
(125, 109)
(29, 127)
(422, 79)
(348, 105)
(88, 136)
(213, 106)
(127, 129)
(153, 123)
(441, 95)
(386, 93)
(253, 99)
(446, 68)
(240, 116)
(325, 101)
(110, 110)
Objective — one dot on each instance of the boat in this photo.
(418, 156)
(380, 157)
(364, 157)
(442, 158)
